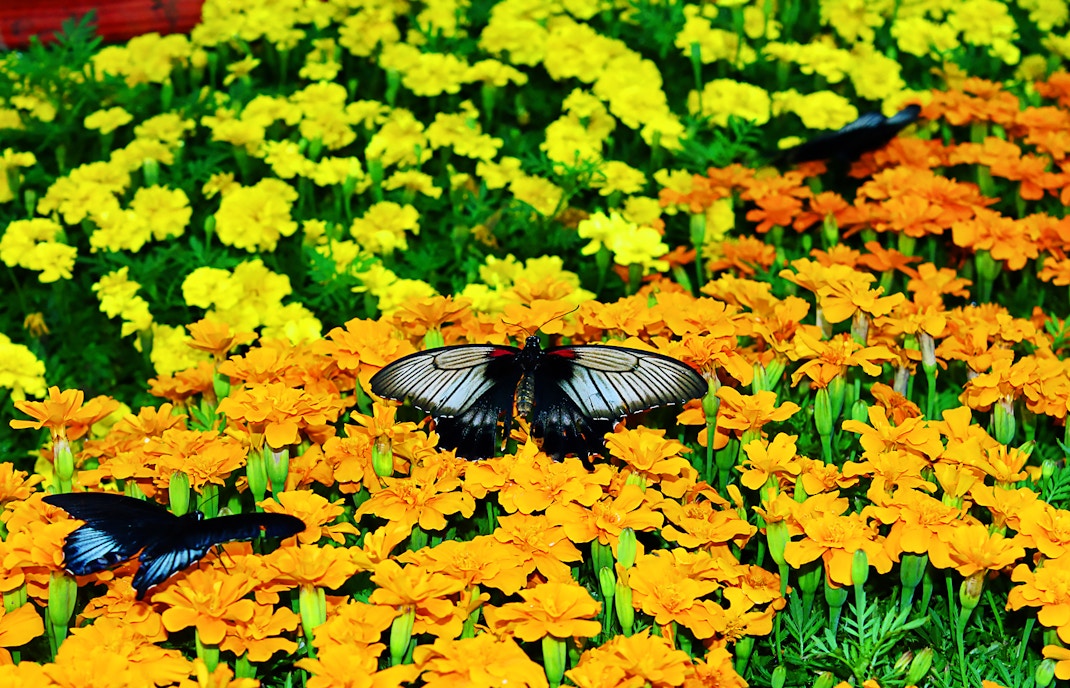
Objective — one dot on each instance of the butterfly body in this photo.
(869, 132)
(118, 528)
(572, 395)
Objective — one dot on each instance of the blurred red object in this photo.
(116, 20)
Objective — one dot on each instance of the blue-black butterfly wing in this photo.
(116, 528)
(467, 389)
(870, 131)
(582, 391)
(167, 556)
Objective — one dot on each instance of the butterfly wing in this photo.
(870, 131)
(466, 389)
(116, 528)
(581, 391)
(194, 537)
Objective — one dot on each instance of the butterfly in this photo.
(867, 133)
(573, 395)
(117, 528)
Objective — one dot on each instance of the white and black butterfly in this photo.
(867, 133)
(118, 528)
(573, 395)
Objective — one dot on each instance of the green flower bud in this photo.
(626, 548)
(553, 659)
(401, 635)
(1045, 673)
(825, 680)
(823, 416)
(607, 582)
(902, 663)
(1003, 424)
(278, 467)
(919, 666)
(256, 474)
(178, 493)
(63, 461)
(622, 605)
(779, 677)
(859, 567)
(312, 602)
(777, 537)
(970, 591)
(383, 457)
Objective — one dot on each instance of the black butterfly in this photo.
(867, 133)
(572, 394)
(118, 527)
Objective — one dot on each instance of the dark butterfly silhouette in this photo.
(573, 395)
(867, 133)
(118, 527)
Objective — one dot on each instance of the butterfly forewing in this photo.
(444, 381)
(608, 382)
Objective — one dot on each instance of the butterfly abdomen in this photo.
(525, 396)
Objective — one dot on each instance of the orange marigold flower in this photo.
(339, 666)
(221, 677)
(890, 470)
(970, 549)
(606, 518)
(309, 565)
(1045, 528)
(841, 291)
(16, 486)
(832, 358)
(205, 457)
(208, 599)
(482, 561)
(557, 609)
(424, 592)
(315, 511)
(449, 662)
(914, 436)
(417, 317)
(185, 384)
(698, 525)
(533, 482)
(770, 461)
(897, 406)
(834, 539)
(216, 337)
(63, 413)
(915, 518)
(539, 545)
(260, 636)
(354, 624)
(640, 659)
(656, 459)
(117, 652)
(669, 592)
(19, 627)
(746, 415)
(119, 602)
(1047, 587)
(746, 255)
(422, 499)
(279, 413)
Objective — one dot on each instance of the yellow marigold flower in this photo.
(108, 120)
(413, 182)
(921, 37)
(500, 174)
(293, 322)
(321, 62)
(10, 161)
(874, 76)
(463, 134)
(148, 58)
(20, 371)
(166, 211)
(425, 74)
(32, 244)
(986, 23)
(618, 177)
(254, 217)
(556, 609)
(170, 346)
(855, 20)
(395, 294)
(713, 44)
(170, 128)
(495, 73)
(382, 227)
(820, 110)
(541, 194)
(362, 32)
(399, 141)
